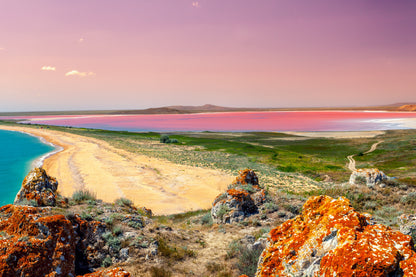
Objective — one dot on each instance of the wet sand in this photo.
(111, 173)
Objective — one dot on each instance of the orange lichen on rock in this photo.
(33, 244)
(115, 272)
(38, 187)
(330, 238)
(241, 199)
(247, 176)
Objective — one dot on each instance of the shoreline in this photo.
(39, 161)
(112, 173)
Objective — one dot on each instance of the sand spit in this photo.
(111, 173)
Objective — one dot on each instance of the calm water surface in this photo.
(240, 121)
(17, 153)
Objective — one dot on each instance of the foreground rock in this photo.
(407, 224)
(330, 238)
(372, 176)
(38, 189)
(241, 200)
(35, 245)
(39, 241)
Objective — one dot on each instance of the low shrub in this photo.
(106, 262)
(123, 202)
(206, 219)
(112, 241)
(171, 251)
(83, 195)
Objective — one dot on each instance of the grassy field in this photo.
(282, 160)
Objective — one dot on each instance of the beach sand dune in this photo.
(111, 173)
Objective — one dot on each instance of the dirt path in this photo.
(351, 164)
(158, 184)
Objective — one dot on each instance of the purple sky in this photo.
(101, 54)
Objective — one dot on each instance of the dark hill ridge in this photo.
(179, 109)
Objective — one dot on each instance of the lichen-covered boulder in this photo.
(241, 200)
(407, 224)
(38, 188)
(330, 238)
(114, 272)
(35, 244)
(372, 176)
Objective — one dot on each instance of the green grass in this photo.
(270, 154)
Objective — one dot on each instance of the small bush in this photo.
(112, 241)
(164, 139)
(86, 216)
(261, 232)
(27, 202)
(124, 202)
(107, 262)
(271, 207)
(222, 211)
(247, 260)
(171, 251)
(83, 195)
(117, 230)
(206, 219)
(409, 198)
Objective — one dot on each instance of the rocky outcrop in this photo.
(330, 238)
(38, 189)
(372, 176)
(89, 243)
(37, 241)
(241, 200)
(33, 244)
(407, 224)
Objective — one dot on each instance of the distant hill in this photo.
(408, 108)
(213, 108)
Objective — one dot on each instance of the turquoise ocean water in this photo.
(18, 152)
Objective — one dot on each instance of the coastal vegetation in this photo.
(271, 154)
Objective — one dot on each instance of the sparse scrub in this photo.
(172, 251)
(247, 261)
(213, 267)
(271, 206)
(124, 202)
(410, 198)
(206, 219)
(224, 209)
(160, 272)
(112, 241)
(83, 195)
(86, 216)
(117, 230)
(107, 262)
(258, 234)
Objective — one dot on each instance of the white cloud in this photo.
(48, 68)
(195, 4)
(79, 74)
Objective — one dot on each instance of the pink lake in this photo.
(237, 121)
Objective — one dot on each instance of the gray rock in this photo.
(124, 254)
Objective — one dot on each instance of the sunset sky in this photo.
(132, 54)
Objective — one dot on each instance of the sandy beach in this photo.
(111, 173)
